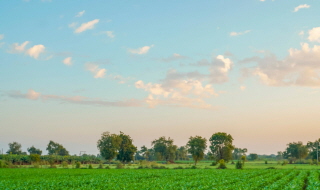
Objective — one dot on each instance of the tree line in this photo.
(120, 147)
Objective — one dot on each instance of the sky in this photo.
(71, 70)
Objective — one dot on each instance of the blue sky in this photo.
(72, 70)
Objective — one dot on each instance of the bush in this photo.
(179, 167)
(3, 164)
(107, 167)
(119, 165)
(90, 166)
(285, 162)
(222, 164)
(271, 168)
(64, 164)
(266, 162)
(78, 165)
(100, 166)
(239, 165)
(214, 163)
(36, 165)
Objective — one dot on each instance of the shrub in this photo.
(178, 167)
(36, 165)
(107, 167)
(285, 162)
(3, 164)
(78, 164)
(90, 166)
(222, 164)
(239, 165)
(193, 167)
(100, 166)
(271, 168)
(214, 163)
(266, 162)
(119, 165)
(64, 164)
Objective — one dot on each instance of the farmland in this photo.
(30, 178)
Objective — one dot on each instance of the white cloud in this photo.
(304, 6)
(142, 50)
(314, 35)
(174, 91)
(80, 13)
(16, 48)
(86, 26)
(35, 51)
(239, 33)
(95, 70)
(67, 61)
(110, 34)
(300, 68)
(32, 95)
(1, 36)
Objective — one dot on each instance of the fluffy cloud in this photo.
(239, 33)
(80, 13)
(305, 6)
(300, 68)
(35, 51)
(86, 26)
(1, 36)
(314, 35)
(67, 61)
(95, 70)
(142, 50)
(33, 95)
(174, 91)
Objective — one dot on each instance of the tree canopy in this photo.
(33, 150)
(196, 147)
(164, 148)
(126, 149)
(221, 146)
(54, 148)
(14, 148)
(109, 145)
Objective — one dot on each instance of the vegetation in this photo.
(221, 146)
(196, 147)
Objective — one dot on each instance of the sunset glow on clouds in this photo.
(193, 68)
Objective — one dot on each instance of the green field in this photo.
(30, 178)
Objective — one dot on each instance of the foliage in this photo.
(126, 149)
(314, 148)
(214, 163)
(238, 153)
(221, 146)
(243, 159)
(120, 166)
(266, 161)
(296, 150)
(33, 150)
(109, 145)
(64, 164)
(196, 147)
(54, 148)
(253, 156)
(90, 166)
(239, 165)
(164, 148)
(222, 164)
(78, 165)
(14, 148)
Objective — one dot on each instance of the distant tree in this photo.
(33, 150)
(279, 155)
(144, 152)
(314, 148)
(253, 156)
(296, 150)
(221, 146)
(14, 148)
(35, 157)
(54, 148)
(196, 147)
(164, 148)
(182, 153)
(238, 152)
(126, 149)
(243, 159)
(109, 145)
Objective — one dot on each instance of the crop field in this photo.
(159, 179)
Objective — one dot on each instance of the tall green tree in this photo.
(126, 149)
(182, 153)
(109, 145)
(54, 148)
(221, 146)
(314, 149)
(14, 148)
(296, 150)
(33, 150)
(164, 149)
(196, 147)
